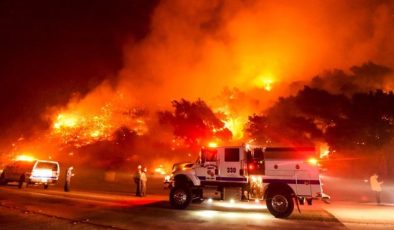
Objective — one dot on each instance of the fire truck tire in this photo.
(21, 181)
(279, 203)
(180, 197)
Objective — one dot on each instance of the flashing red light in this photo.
(251, 167)
(212, 145)
(313, 161)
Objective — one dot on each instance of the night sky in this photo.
(50, 50)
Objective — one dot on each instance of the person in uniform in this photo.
(376, 186)
(143, 182)
(67, 182)
(137, 180)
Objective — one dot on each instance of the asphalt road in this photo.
(36, 208)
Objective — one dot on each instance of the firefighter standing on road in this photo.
(67, 181)
(143, 182)
(137, 180)
(376, 186)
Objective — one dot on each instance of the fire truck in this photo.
(283, 177)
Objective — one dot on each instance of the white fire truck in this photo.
(281, 176)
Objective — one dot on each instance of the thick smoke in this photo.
(198, 49)
(225, 52)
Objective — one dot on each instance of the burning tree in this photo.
(194, 123)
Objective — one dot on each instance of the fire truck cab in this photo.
(282, 177)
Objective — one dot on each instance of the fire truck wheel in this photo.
(21, 181)
(180, 197)
(280, 204)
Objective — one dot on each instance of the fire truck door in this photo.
(303, 185)
(210, 164)
(230, 165)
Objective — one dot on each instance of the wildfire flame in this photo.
(233, 122)
(265, 82)
(235, 125)
(63, 121)
(324, 150)
(80, 129)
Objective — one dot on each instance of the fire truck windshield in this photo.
(209, 154)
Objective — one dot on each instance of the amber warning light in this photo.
(24, 158)
(313, 161)
(212, 145)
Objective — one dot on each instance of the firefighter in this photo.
(67, 181)
(376, 186)
(143, 182)
(137, 180)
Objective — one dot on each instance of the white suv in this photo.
(31, 172)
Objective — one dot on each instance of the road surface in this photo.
(36, 208)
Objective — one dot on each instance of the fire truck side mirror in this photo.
(241, 172)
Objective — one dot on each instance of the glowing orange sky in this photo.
(197, 49)
(205, 49)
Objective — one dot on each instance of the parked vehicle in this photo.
(283, 177)
(31, 172)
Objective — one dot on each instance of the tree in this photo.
(286, 123)
(362, 124)
(194, 122)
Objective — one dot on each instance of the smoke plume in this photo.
(238, 56)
